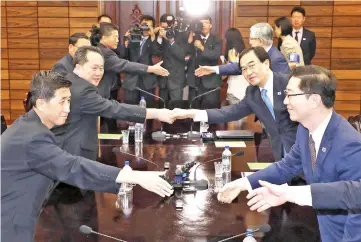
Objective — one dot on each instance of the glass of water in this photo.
(218, 179)
(203, 127)
(125, 135)
(138, 133)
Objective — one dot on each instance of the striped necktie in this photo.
(267, 101)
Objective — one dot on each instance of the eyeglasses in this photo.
(251, 67)
(296, 94)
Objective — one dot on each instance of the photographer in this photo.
(140, 45)
(172, 46)
(205, 49)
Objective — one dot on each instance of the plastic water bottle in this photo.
(143, 104)
(125, 195)
(226, 165)
(249, 236)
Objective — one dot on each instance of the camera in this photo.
(136, 32)
(185, 23)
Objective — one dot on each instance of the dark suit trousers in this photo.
(211, 100)
(173, 95)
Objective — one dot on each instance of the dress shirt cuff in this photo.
(216, 69)
(200, 116)
(300, 195)
(160, 40)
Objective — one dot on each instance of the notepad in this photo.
(109, 136)
(231, 144)
(258, 166)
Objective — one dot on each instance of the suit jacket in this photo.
(338, 159)
(336, 195)
(79, 135)
(278, 64)
(131, 81)
(64, 65)
(308, 45)
(31, 162)
(174, 62)
(289, 46)
(113, 65)
(280, 130)
(208, 57)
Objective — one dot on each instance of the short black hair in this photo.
(97, 33)
(259, 51)
(81, 54)
(148, 18)
(285, 24)
(206, 17)
(299, 9)
(44, 85)
(73, 39)
(104, 16)
(317, 80)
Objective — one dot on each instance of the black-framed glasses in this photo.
(296, 94)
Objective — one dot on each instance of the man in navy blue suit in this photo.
(264, 97)
(327, 149)
(261, 34)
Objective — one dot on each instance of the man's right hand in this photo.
(183, 113)
(231, 190)
(158, 70)
(204, 71)
(149, 180)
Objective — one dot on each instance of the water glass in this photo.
(138, 133)
(125, 134)
(203, 127)
(218, 178)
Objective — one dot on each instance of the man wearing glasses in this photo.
(327, 149)
(264, 97)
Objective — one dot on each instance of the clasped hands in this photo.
(169, 116)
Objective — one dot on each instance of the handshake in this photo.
(169, 116)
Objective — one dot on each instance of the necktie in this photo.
(311, 144)
(141, 45)
(267, 101)
(296, 36)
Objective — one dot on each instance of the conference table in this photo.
(152, 218)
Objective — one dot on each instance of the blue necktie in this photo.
(141, 45)
(267, 101)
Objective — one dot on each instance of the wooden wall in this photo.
(34, 35)
(337, 25)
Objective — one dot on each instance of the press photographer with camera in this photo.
(205, 49)
(106, 37)
(141, 46)
(172, 45)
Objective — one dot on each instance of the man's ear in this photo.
(40, 104)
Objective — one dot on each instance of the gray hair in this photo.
(262, 31)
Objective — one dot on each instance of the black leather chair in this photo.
(3, 124)
(355, 121)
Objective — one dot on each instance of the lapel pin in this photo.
(323, 149)
(279, 93)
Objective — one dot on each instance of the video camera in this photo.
(136, 32)
(186, 23)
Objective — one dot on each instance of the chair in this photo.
(27, 102)
(355, 121)
(3, 124)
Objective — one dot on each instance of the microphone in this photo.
(122, 151)
(87, 230)
(239, 153)
(141, 90)
(198, 185)
(263, 228)
(162, 136)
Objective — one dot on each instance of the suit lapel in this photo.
(278, 96)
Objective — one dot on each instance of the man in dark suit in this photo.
(261, 34)
(65, 64)
(327, 149)
(31, 161)
(172, 49)
(79, 134)
(113, 65)
(264, 97)
(304, 37)
(333, 195)
(205, 49)
(141, 53)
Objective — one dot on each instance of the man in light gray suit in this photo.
(65, 64)
(264, 97)
(79, 134)
(31, 161)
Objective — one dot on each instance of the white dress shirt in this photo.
(299, 35)
(269, 87)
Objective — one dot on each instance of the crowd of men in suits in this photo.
(306, 134)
